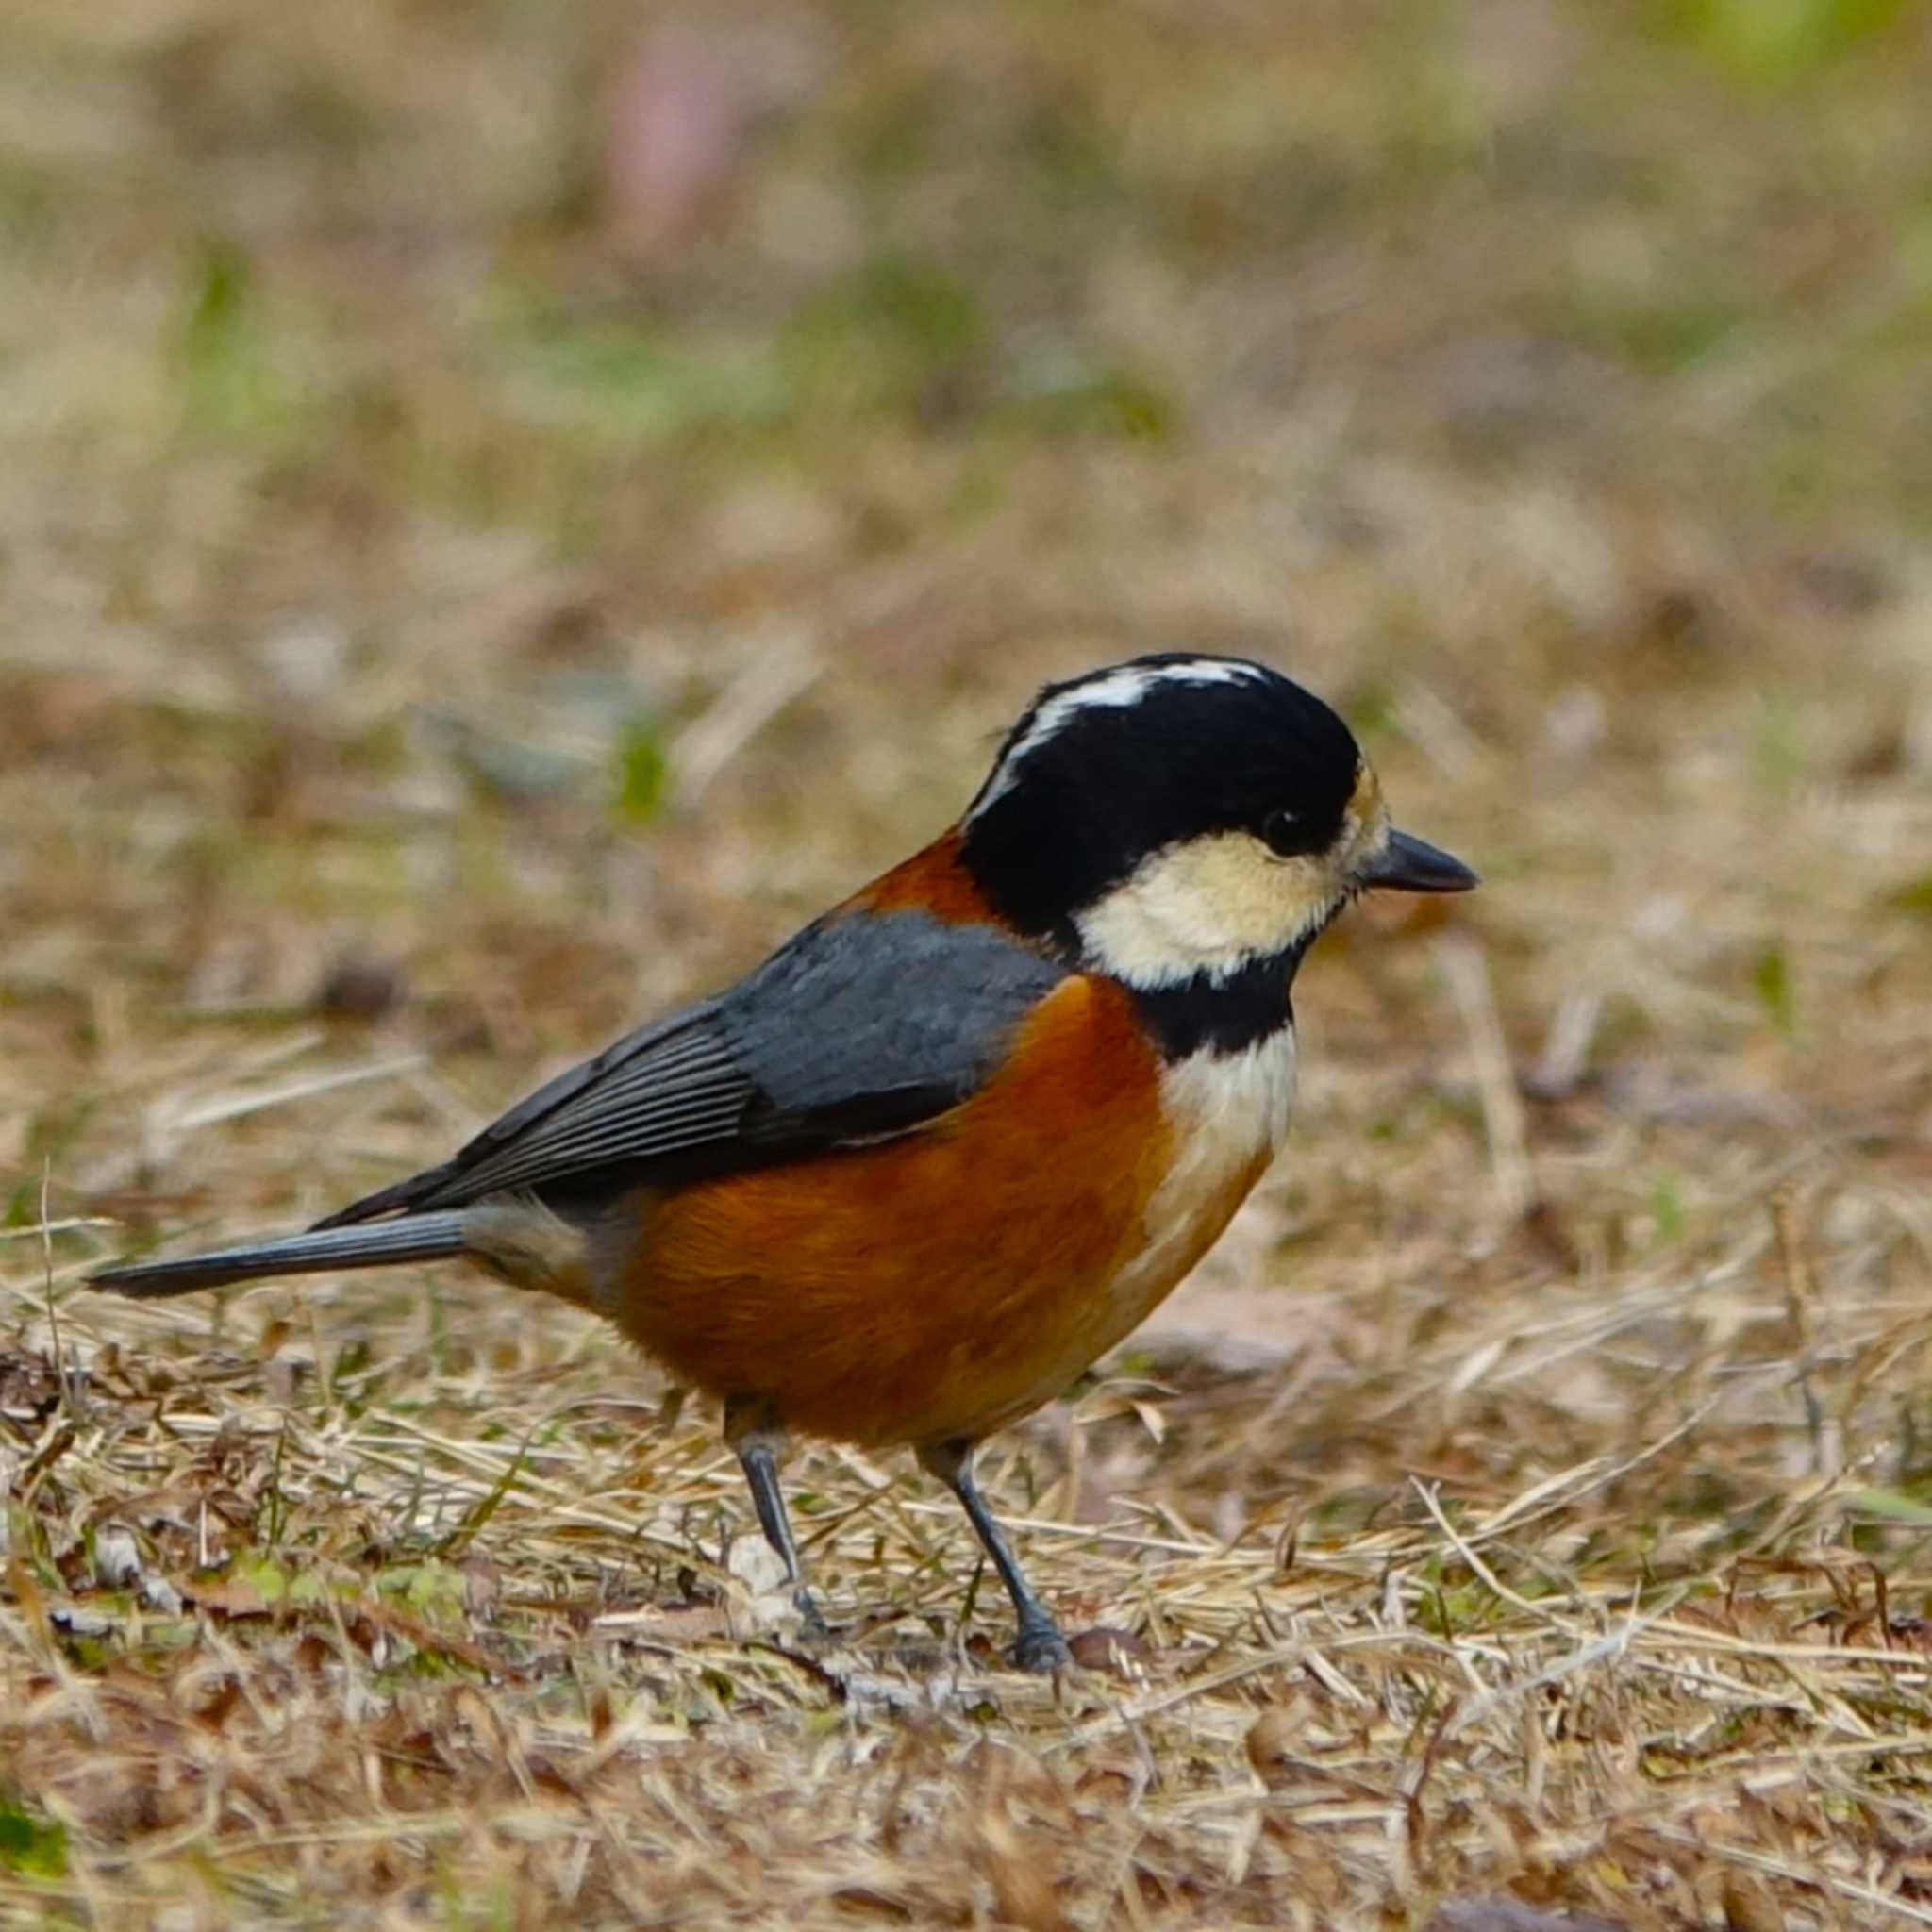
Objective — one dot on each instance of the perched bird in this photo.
(903, 1182)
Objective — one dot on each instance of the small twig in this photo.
(1543, 1497)
(713, 738)
(57, 1344)
(1125, 1715)
(480, 1512)
(230, 1107)
(1612, 1643)
(1565, 1056)
(1466, 967)
(1809, 1872)
(1801, 1288)
(1487, 1576)
(44, 1228)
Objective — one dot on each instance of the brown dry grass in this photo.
(1530, 1500)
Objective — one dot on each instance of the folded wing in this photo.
(860, 1028)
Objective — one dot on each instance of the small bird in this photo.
(908, 1178)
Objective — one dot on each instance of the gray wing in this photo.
(860, 1028)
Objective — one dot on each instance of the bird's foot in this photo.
(813, 1627)
(1040, 1647)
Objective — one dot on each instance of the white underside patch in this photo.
(1226, 1111)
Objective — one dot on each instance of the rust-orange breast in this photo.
(921, 1289)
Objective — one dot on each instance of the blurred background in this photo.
(505, 508)
(509, 507)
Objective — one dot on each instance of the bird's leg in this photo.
(756, 1444)
(1040, 1645)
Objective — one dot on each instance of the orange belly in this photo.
(936, 1285)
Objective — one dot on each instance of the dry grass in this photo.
(457, 593)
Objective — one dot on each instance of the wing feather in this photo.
(860, 1028)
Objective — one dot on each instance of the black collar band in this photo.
(1225, 1015)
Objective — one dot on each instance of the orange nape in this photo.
(932, 1287)
(933, 881)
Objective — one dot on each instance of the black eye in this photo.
(1287, 833)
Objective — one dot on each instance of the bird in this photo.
(905, 1180)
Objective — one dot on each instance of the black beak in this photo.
(1408, 865)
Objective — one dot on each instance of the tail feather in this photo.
(373, 1245)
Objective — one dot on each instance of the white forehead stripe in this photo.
(1116, 689)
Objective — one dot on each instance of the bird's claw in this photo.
(1040, 1647)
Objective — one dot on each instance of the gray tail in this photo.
(373, 1245)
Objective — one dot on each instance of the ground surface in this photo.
(507, 509)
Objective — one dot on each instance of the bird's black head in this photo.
(1186, 821)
